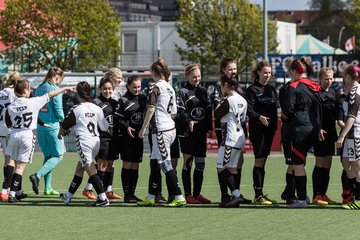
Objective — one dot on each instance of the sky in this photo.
(284, 4)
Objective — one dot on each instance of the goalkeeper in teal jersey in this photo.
(51, 114)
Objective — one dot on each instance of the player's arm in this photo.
(58, 108)
(222, 109)
(68, 122)
(61, 90)
(8, 119)
(149, 113)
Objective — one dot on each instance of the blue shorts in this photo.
(49, 143)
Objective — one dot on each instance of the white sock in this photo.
(12, 193)
(180, 197)
(102, 196)
(236, 193)
(150, 196)
(69, 195)
(109, 188)
(89, 186)
(4, 191)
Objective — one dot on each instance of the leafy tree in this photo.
(353, 21)
(216, 29)
(328, 4)
(70, 34)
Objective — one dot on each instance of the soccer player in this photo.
(108, 152)
(22, 116)
(302, 108)
(324, 150)
(232, 113)
(349, 136)
(85, 119)
(262, 112)
(116, 77)
(7, 96)
(228, 67)
(129, 117)
(160, 113)
(195, 122)
(51, 114)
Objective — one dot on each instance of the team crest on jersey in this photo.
(198, 113)
(136, 118)
(240, 105)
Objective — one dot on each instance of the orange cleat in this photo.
(319, 200)
(4, 197)
(327, 199)
(112, 195)
(89, 194)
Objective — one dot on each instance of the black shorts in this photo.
(108, 149)
(194, 144)
(324, 148)
(261, 140)
(131, 149)
(299, 151)
(175, 148)
(287, 152)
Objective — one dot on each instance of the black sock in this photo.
(101, 176)
(300, 184)
(126, 181)
(134, 179)
(16, 180)
(325, 180)
(198, 180)
(357, 191)
(345, 181)
(174, 183)
(258, 173)
(20, 185)
(154, 178)
(98, 185)
(9, 171)
(108, 178)
(169, 186)
(353, 184)
(223, 185)
(75, 184)
(186, 181)
(316, 181)
(229, 179)
(290, 186)
(237, 178)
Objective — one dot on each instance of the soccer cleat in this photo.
(176, 203)
(352, 205)
(298, 204)
(4, 197)
(224, 200)
(65, 198)
(51, 192)
(202, 199)
(243, 200)
(20, 195)
(261, 200)
(112, 195)
(101, 203)
(35, 183)
(268, 199)
(319, 200)
(288, 198)
(328, 200)
(89, 194)
(191, 200)
(146, 202)
(160, 199)
(131, 199)
(233, 203)
(347, 196)
(12, 199)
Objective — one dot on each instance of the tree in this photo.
(216, 29)
(70, 34)
(328, 4)
(353, 22)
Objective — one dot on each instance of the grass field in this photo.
(43, 217)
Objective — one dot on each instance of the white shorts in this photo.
(4, 140)
(161, 145)
(351, 149)
(228, 157)
(21, 146)
(88, 148)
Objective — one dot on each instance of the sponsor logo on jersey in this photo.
(198, 113)
(136, 118)
(89, 114)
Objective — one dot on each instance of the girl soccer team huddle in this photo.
(111, 124)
